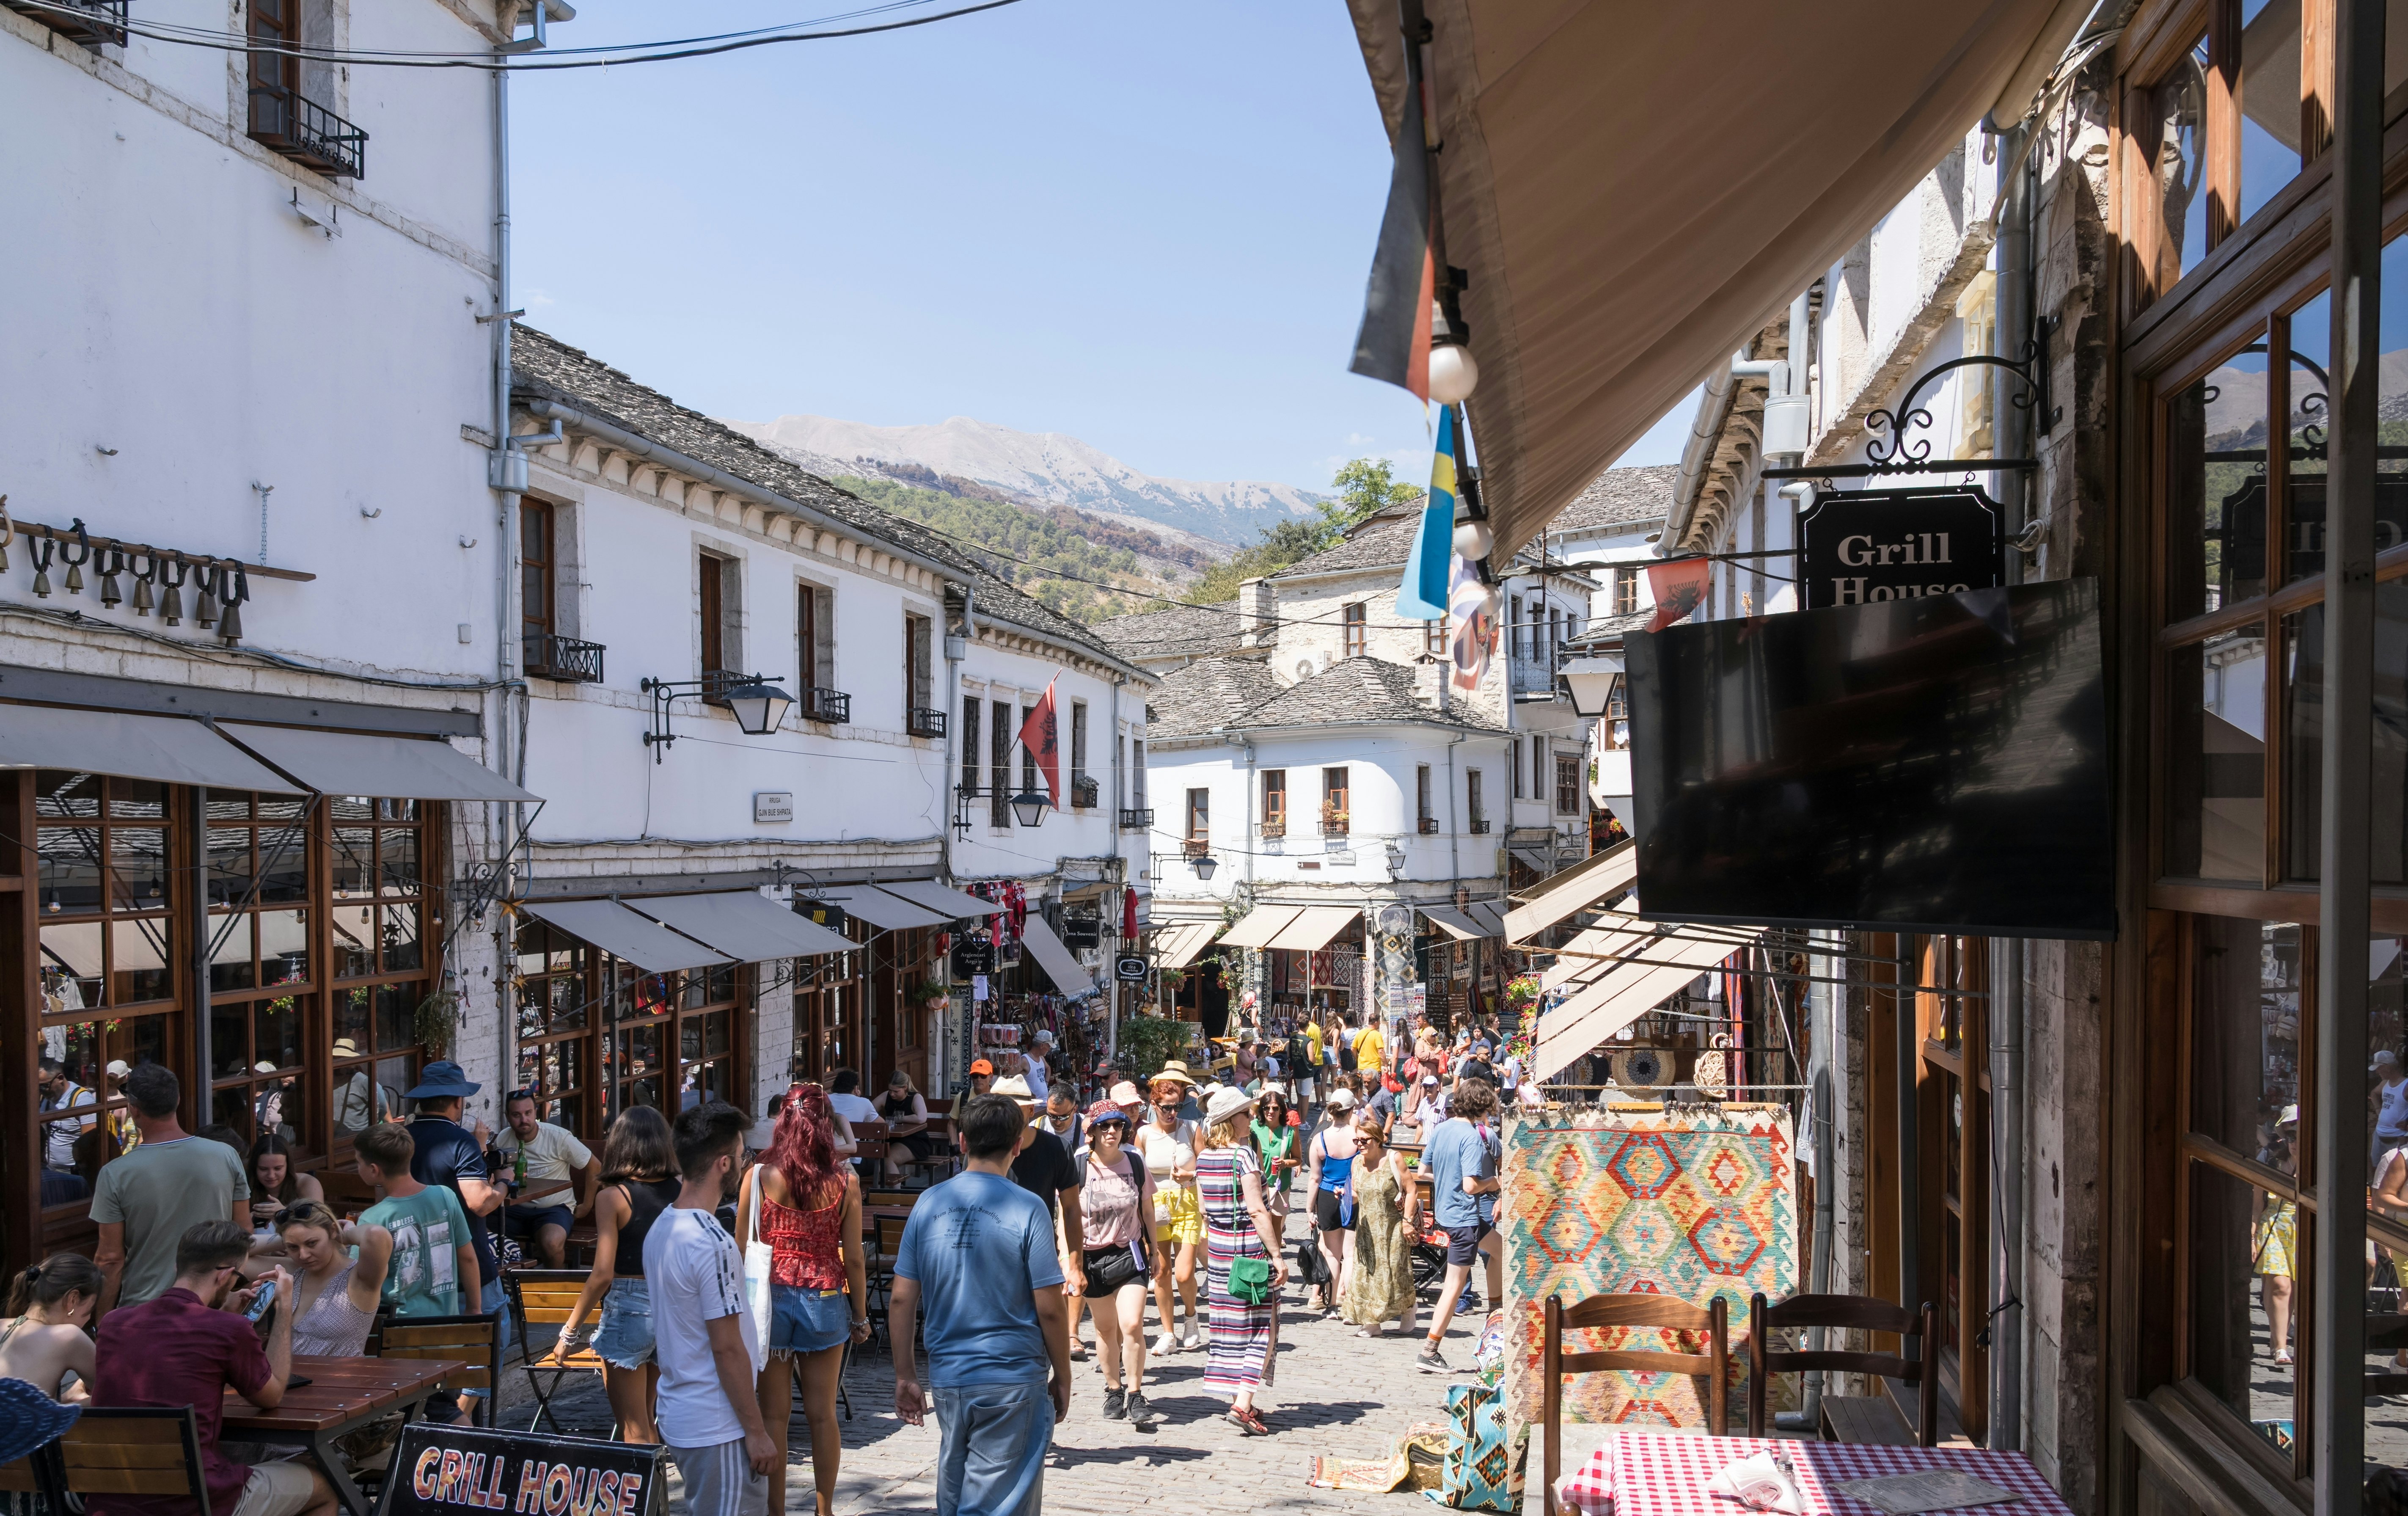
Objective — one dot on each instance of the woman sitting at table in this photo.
(907, 1125)
(335, 1296)
(43, 1341)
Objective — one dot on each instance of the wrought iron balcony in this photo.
(92, 23)
(924, 722)
(1136, 820)
(1335, 820)
(549, 656)
(1480, 825)
(307, 132)
(1532, 674)
(833, 706)
(1084, 791)
(1430, 826)
(1271, 829)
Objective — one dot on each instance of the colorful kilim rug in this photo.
(1692, 1204)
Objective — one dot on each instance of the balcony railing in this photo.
(1430, 826)
(1334, 820)
(91, 22)
(1480, 826)
(830, 706)
(307, 132)
(1532, 674)
(1195, 847)
(1275, 827)
(928, 723)
(1136, 820)
(549, 656)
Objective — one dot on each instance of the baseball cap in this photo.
(981, 1066)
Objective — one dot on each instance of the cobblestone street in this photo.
(1335, 1392)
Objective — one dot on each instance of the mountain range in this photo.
(1035, 468)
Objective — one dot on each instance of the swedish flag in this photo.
(1422, 594)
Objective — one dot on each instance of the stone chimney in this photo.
(1257, 613)
(1429, 682)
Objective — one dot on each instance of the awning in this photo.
(388, 768)
(1175, 947)
(157, 747)
(743, 925)
(1534, 861)
(880, 909)
(1490, 915)
(1314, 927)
(953, 904)
(1578, 888)
(1055, 959)
(1257, 927)
(1627, 990)
(1603, 286)
(1453, 922)
(622, 933)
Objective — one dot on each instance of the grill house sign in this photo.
(1897, 544)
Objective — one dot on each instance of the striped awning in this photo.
(1314, 927)
(1175, 947)
(1642, 965)
(1257, 927)
(1583, 886)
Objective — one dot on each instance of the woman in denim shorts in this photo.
(806, 1205)
(640, 1180)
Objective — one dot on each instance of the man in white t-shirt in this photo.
(845, 1099)
(552, 1177)
(703, 1332)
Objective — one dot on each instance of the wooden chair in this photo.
(478, 1340)
(1658, 1311)
(1849, 1418)
(548, 1297)
(890, 1197)
(135, 1453)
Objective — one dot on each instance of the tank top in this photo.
(1333, 1169)
(2393, 1118)
(332, 1326)
(646, 1200)
(805, 1246)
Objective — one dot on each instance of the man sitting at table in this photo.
(189, 1347)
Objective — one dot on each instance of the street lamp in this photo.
(758, 707)
(1029, 808)
(1591, 680)
(1204, 864)
(757, 704)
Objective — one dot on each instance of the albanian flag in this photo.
(1394, 343)
(1679, 586)
(1041, 735)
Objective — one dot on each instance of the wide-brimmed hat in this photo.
(440, 1080)
(1012, 1086)
(1103, 1111)
(30, 1420)
(1175, 1071)
(1226, 1101)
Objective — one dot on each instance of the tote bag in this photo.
(757, 1257)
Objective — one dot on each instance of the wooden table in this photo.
(343, 1394)
(1650, 1474)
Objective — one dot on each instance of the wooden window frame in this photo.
(1356, 625)
(1274, 803)
(1000, 764)
(1337, 801)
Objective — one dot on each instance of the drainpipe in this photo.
(1823, 1025)
(956, 649)
(508, 479)
(1454, 820)
(1112, 1021)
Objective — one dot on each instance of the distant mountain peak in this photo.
(1038, 468)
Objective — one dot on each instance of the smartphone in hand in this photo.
(261, 1302)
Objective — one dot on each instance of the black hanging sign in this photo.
(973, 956)
(1870, 545)
(1131, 969)
(442, 1470)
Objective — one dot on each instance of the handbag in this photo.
(1250, 1280)
(1312, 1269)
(757, 1259)
(1480, 1472)
(1346, 1200)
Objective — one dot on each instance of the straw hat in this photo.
(1226, 1101)
(1175, 1071)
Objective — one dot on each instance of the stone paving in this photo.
(1334, 1393)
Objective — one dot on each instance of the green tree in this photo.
(1365, 486)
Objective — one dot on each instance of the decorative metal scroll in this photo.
(1909, 414)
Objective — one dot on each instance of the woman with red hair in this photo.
(809, 1205)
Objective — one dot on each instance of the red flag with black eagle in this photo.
(1041, 735)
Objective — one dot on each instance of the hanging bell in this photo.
(142, 578)
(42, 568)
(171, 604)
(75, 578)
(205, 604)
(75, 562)
(111, 563)
(230, 625)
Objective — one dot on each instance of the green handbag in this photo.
(1250, 1280)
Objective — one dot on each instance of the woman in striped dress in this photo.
(1236, 1224)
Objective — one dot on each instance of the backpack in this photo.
(1346, 1054)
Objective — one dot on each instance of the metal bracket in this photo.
(1910, 414)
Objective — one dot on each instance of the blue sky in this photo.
(1142, 224)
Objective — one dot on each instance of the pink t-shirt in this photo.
(1112, 1210)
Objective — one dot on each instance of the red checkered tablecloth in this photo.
(1649, 1473)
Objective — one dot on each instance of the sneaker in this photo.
(1115, 1403)
(1166, 1345)
(1430, 1362)
(1140, 1413)
(1194, 1337)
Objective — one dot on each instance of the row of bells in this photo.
(214, 604)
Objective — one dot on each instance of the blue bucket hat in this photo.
(440, 1080)
(30, 1420)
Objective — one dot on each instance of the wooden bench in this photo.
(134, 1453)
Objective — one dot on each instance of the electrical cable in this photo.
(485, 62)
(80, 619)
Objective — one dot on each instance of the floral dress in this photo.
(1240, 1334)
(1380, 1288)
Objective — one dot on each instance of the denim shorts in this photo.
(625, 1341)
(806, 1321)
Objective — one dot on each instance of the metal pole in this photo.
(1910, 1229)
(2337, 1288)
(202, 1053)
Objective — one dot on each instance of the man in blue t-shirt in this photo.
(449, 1155)
(1462, 1164)
(980, 1250)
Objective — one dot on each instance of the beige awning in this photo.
(1055, 959)
(1314, 927)
(1630, 207)
(1175, 947)
(1257, 927)
(170, 750)
(622, 933)
(929, 895)
(1582, 886)
(1453, 922)
(1654, 963)
(389, 768)
(743, 924)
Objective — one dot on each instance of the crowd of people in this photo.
(1177, 1196)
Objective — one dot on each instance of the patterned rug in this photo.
(1692, 1204)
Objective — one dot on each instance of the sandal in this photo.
(1244, 1426)
(1252, 1421)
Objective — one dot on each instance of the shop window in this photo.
(1953, 1122)
(674, 1039)
(2214, 780)
(2216, 474)
(830, 994)
(2175, 128)
(556, 1027)
(1357, 630)
(2266, 90)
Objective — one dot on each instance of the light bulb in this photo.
(1452, 373)
(1472, 539)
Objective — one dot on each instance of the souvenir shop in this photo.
(1312, 985)
(1023, 976)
